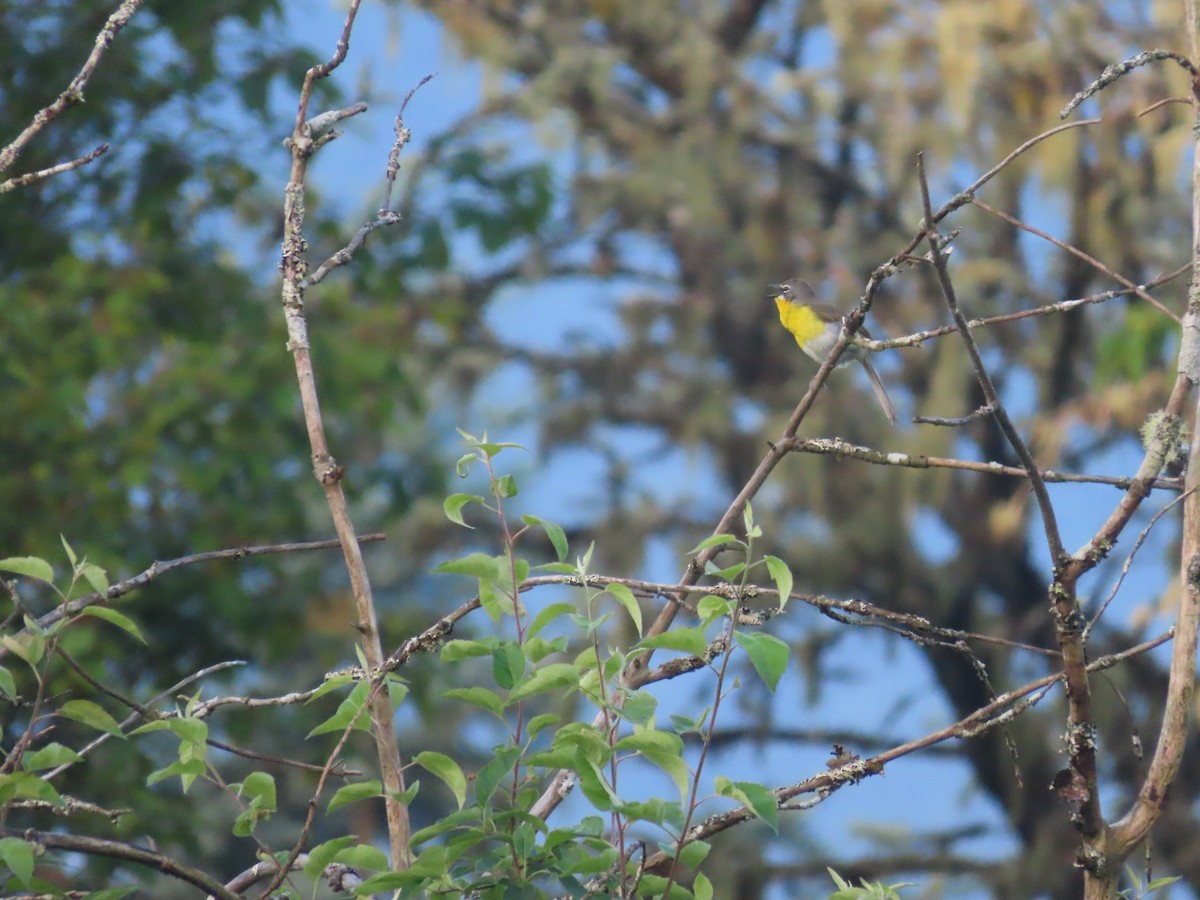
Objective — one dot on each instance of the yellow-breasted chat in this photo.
(816, 327)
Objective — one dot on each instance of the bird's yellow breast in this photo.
(801, 321)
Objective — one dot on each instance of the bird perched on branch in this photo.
(816, 327)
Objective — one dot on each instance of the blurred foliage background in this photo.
(583, 265)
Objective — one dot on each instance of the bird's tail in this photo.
(880, 393)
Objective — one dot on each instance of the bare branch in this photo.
(403, 136)
(1137, 545)
(1117, 70)
(1000, 711)
(327, 471)
(920, 337)
(140, 710)
(43, 174)
(73, 95)
(1076, 252)
(1173, 732)
(90, 846)
(121, 588)
(346, 254)
(1049, 521)
(838, 447)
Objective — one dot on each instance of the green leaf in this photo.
(8, 684)
(548, 615)
(767, 653)
(332, 683)
(447, 770)
(352, 793)
(446, 823)
(755, 797)
(67, 547)
(96, 577)
(453, 505)
(489, 776)
(656, 886)
(547, 678)
(656, 810)
(538, 723)
(187, 770)
(537, 649)
(193, 732)
(684, 640)
(748, 519)
(27, 786)
(711, 607)
(363, 856)
(702, 887)
(463, 466)
(1159, 883)
(593, 783)
(478, 696)
(558, 538)
(729, 573)
(694, 853)
(91, 714)
(639, 707)
(322, 855)
(452, 651)
(259, 787)
(51, 756)
(663, 749)
(121, 620)
(346, 712)
(29, 566)
(493, 449)
(17, 854)
(558, 568)
(625, 597)
(714, 540)
(407, 795)
(505, 486)
(782, 576)
(508, 664)
(28, 647)
(478, 565)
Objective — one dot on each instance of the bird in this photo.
(816, 327)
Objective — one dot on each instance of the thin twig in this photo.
(73, 95)
(346, 254)
(839, 448)
(955, 421)
(403, 136)
(140, 710)
(43, 174)
(998, 712)
(920, 337)
(1165, 101)
(290, 861)
(1117, 70)
(121, 588)
(90, 846)
(1137, 545)
(1000, 414)
(1077, 253)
